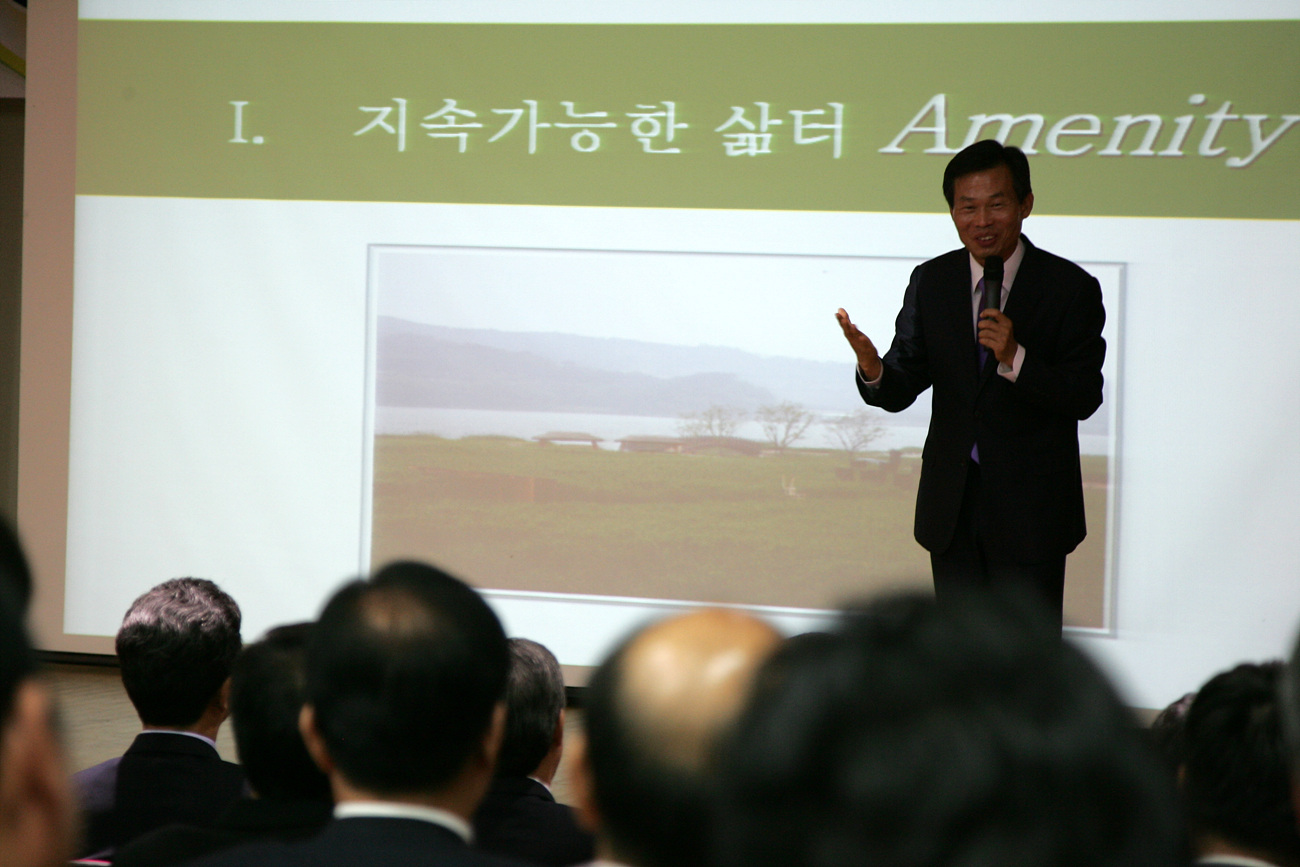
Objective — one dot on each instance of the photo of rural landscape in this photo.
(618, 456)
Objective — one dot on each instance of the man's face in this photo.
(988, 214)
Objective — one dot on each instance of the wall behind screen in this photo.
(1205, 548)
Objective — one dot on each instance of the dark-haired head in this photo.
(17, 661)
(1235, 776)
(985, 155)
(14, 571)
(927, 736)
(1166, 732)
(176, 646)
(1289, 698)
(267, 692)
(404, 674)
(37, 811)
(534, 707)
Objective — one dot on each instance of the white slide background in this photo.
(219, 407)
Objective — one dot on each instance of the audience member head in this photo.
(176, 646)
(982, 156)
(1289, 697)
(656, 710)
(267, 692)
(534, 711)
(37, 818)
(1235, 778)
(1290, 701)
(405, 677)
(1167, 735)
(14, 571)
(927, 736)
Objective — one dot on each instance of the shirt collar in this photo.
(1009, 268)
(204, 738)
(1236, 860)
(394, 810)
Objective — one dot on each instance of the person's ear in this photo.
(1295, 797)
(38, 819)
(222, 700)
(311, 737)
(494, 736)
(557, 737)
(582, 786)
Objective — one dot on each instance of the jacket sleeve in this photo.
(906, 368)
(1066, 379)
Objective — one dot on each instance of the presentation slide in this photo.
(545, 294)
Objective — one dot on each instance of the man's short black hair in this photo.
(14, 571)
(534, 702)
(653, 813)
(404, 671)
(985, 155)
(1235, 780)
(17, 661)
(176, 646)
(268, 687)
(930, 736)
(1166, 732)
(1289, 698)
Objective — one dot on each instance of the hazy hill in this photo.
(436, 366)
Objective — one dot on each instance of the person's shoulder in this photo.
(263, 853)
(94, 772)
(1037, 257)
(317, 852)
(942, 269)
(95, 786)
(173, 844)
(951, 259)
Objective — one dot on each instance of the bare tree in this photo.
(856, 431)
(784, 424)
(716, 421)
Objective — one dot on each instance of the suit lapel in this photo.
(955, 339)
(1026, 285)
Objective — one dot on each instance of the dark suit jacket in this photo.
(245, 821)
(1028, 431)
(520, 818)
(162, 779)
(359, 841)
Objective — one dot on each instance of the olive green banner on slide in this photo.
(1188, 119)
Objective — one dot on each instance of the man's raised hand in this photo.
(868, 357)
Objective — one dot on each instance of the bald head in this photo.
(655, 713)
(685, 679)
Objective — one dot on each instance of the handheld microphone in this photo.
(993, 283)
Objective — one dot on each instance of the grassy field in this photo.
(795, 529)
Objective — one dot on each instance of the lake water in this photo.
(457, 423)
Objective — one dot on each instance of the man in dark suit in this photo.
(1000, 499)
(37, 812)
(405, 676)
(290, 796)
(1235, 779)
(176, 646)
(1289, 704)
(520, 817)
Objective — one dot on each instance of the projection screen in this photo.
(544, 293)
